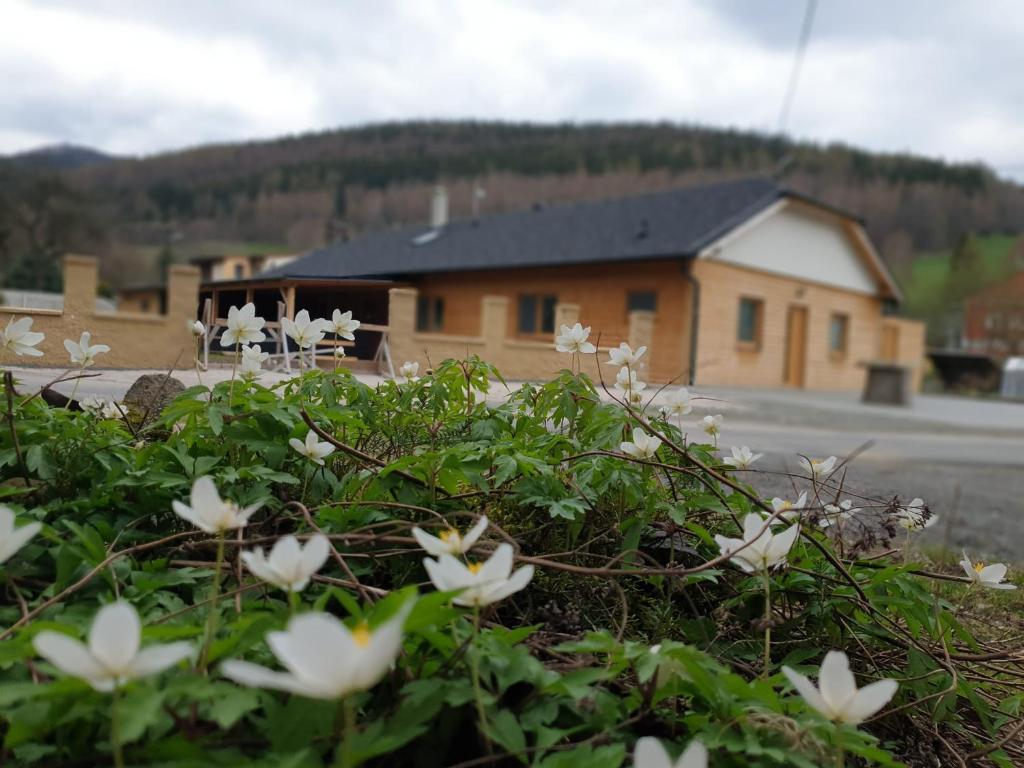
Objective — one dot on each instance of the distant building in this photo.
(214, 268)
(994, 319)
(145, 299)
(742, 283)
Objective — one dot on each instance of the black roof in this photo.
(676, 223)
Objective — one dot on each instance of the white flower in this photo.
(837, 514)
(741, 458)
(339, 352)
(836, 695)
(19, 338)
(761, 549)
(677, 403)
(627, 381)
(649, 753)
(196, 328)
(252, 360)
(409, 371)
(818, 468)
(481, 583)
(450, 542)
(243, 326)
(112, 656)
(712, 425)
(324, 658)
(625, 355)
(915, 516)
(290, 564)
(574, 340)
(312, 449)
(304, 331)
(97, 406)
(343, 325)
(986, 575)
(644, 446)
(12, 539)
(788, 510)
(209, 512)
(82, 353)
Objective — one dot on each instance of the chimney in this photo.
(439, 208)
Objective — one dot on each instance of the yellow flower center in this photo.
(474, 568)
(979, 567)
(449, 535)
(361, 634)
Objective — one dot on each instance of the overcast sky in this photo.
(938, 77)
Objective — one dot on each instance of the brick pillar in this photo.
(493, 325)
(566, 314)
(80, 277)
(402, 325)
(182, 302)
(641, 333)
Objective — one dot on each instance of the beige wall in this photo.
(147, 302)
(136, 340)
(721, 359)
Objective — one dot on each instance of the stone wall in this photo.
(136, 340)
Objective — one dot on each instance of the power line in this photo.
(794, 75)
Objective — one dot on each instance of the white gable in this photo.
(790, 240)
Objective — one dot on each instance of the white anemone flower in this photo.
(305, 332)
(677, 403)
(649, 753)
(624, 355)
(643, 445)
(12, 539)
(253, 358)
(339, 352)
(409, 371)
(574, 340)
(450, 541)
(991, 576)
(915, 516)
(19, 338)
(244, 327)
(836, 696)
(741, 458)
(481, 583)
(83, 353)
(196, 328)
(712, 425)
(788, 511)
(343, 325)
(837, 514)
(208, 512)
(290, 564)
(758, 550)
(818, 468)
(324, 658)
(113, 655)
(312, 448)
(627, 381)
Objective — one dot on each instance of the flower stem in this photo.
(293, 603)
(74, 390)
(767, 623)
(234, 369)
(474, 662)
(115, 728)
(211, 616)
(343, 755)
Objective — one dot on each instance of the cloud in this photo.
(140, 77)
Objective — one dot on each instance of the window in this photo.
(646, 301)
(239, 271)
(838, 330)
(748, 330)
(429, 313)
(536, 314)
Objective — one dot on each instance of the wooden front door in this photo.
(796, 346)
(890, 343)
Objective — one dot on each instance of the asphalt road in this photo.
(964, 457)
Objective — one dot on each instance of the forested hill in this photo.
(300, 191)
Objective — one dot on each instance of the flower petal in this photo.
(115, 635)
(869, 700)
(254, 676)
(808, 691)
(695, 756)
(68, 655)
(474, 533)
(157, 658)
(650, 754)
(498, 565)
(836, 681)
(430, 544)
(16, 539)
(516, 582)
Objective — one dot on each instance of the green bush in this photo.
(634, 623)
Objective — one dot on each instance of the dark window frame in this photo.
(751, 340)
(840, 351)
(430, 314)
(641, 301)
(536, 314)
